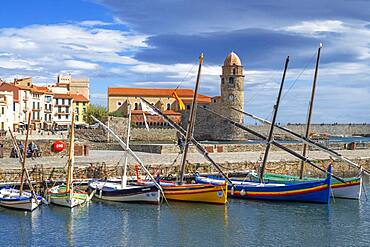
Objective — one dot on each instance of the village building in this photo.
(50, 106)
(6, 111)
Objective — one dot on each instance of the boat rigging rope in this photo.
(294, 82)
(183, 79)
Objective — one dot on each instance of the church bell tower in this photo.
(232, 87)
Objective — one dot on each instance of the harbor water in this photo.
(239, 223)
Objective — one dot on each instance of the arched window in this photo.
(168, 106)
(231, 98)
(231, 80)
(234, 71)
(136, 106)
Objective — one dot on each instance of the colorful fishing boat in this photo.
(315, 191)
(19, 199)
(351, 189)
(68, 195)
(208, 193)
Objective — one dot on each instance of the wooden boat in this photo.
(113, 191)
(19, 199)
(10, 198)
(315, 191)
(68, 195)
(122, 191)
(351, 189)
(181, 191)
(208, 193)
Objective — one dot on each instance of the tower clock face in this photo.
(231, 98)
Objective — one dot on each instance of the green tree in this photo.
(100, 112)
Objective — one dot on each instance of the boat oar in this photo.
(277, 144)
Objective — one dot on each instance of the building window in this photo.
(33, 105)
(67, 117)
(231, 98)
(136, 106)
(119, 103)
(38, 105)
(63, 102)
(59, 117)
(231, 80)
(84, 110)
(168, 106)
(59, 109)
(188, 107)
(14, 106)
(222, 81)
(234, 71)
(76, 118)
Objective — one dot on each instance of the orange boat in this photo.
(207, 193)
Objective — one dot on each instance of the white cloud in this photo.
(351, 37)
(75, 64)
(317, 26)
(79, 47)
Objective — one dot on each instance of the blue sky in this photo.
(156, 44)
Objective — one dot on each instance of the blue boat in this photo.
(313, 192)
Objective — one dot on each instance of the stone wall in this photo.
(45, 145)
(332, 129)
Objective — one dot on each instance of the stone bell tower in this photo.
(232, 87)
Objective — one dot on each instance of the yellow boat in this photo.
(207, 193)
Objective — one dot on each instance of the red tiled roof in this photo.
(62, 96)
(184, 94)
(79, 98)
(167, 112)
(10, 88)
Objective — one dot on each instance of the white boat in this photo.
(68, 195)
(19, 199)
(11, 198)
(112, 191)
(121, 191)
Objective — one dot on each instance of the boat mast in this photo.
(307, 141)
(25, 154)
(191, 122)
(182, 132)
(269, 138)
(71, 154)
(124, 174)
(308, 123)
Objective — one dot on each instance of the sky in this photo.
(147, 43)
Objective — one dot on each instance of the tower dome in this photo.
(232, 59)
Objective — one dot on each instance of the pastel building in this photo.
(6, 110)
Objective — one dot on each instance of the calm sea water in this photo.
(240, 223)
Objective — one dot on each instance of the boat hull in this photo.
(351, 189)
(58, 196)
(207, 193)
(10, 198)
(314, 192)
(131, 193)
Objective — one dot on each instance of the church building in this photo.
(208, 126)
